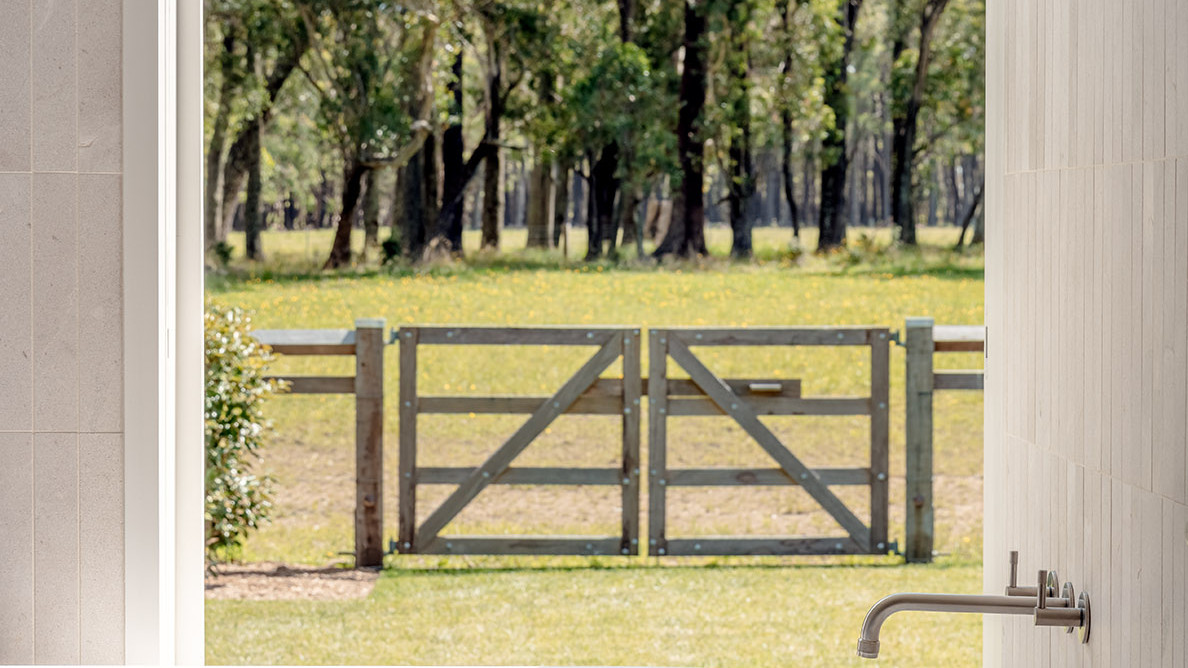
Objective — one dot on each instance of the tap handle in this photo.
(1042, 591)
(1014, 568)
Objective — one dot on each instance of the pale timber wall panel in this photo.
(1087, 309)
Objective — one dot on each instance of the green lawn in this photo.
(644, 616)
(741, 612)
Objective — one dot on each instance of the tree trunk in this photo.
(742, 167)
(371, 206)
(493, 174)
(831, 220)
(540, 190)
(412, 182)
(453, 165)
(561, 201)
(251, 206)
(686, 233)
(904, 127)
(239, 156)
(340, 252)
(232, 80)
(602, 194)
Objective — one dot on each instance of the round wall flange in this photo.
(1069, 595)
(1083, 604)
(1054, 584)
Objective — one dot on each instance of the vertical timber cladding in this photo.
(585, 393)
(744, 401)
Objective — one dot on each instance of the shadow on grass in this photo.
(459, 566)
(882, 262)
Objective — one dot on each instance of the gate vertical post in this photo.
(407, 468)
(880, 390)
(919, 382)
(657, 434)
(369, 442)
(632, 342)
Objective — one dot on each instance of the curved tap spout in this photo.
(868, 644)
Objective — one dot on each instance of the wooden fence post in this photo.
(919, 384)
(369, 442)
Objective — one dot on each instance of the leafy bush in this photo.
(237, 500)
(223, 252)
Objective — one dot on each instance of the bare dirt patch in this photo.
(271, 581)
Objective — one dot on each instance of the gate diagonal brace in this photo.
(498, 463)
(730, 404)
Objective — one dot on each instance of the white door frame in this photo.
(163, 368)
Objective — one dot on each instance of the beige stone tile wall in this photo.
(61, 333)
(1089, 333)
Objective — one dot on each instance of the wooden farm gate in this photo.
(745, 401)
(584, 393)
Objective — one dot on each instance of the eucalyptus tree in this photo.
(262, 43)
(686, 232)
(356, 66)
(831, 220)
(918, 19)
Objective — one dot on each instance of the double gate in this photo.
(704, 393)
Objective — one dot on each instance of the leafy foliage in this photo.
(237, 500)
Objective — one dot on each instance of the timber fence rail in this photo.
(366, 344)
(923, 338)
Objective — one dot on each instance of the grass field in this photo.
(570, 610)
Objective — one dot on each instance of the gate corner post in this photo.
(369, 442)
(918, 427)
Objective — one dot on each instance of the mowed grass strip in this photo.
(654, 616)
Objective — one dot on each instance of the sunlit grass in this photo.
(671, 616)
(756, 611)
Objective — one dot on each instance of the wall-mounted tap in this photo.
(1041, 602)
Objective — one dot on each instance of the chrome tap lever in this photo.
(1013, 589)
(1041, 597)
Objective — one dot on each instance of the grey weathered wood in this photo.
(747, 419)
(762, 405)
(577, 545)
(407, 465)
(774, 336)
(318, 384)
(657, 438)
(308, 341)
(918, 432)
(740, 546)
(958, 338)
(517, 336)
(683, 387)
(461, 405)
(369, 446)
(880, 390)
(631, 407)
(761, 477)
(958, 380)
(522, 476)
(502, 458)
(605, 397)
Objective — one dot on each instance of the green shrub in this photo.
(237, 500)
(223, 252)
